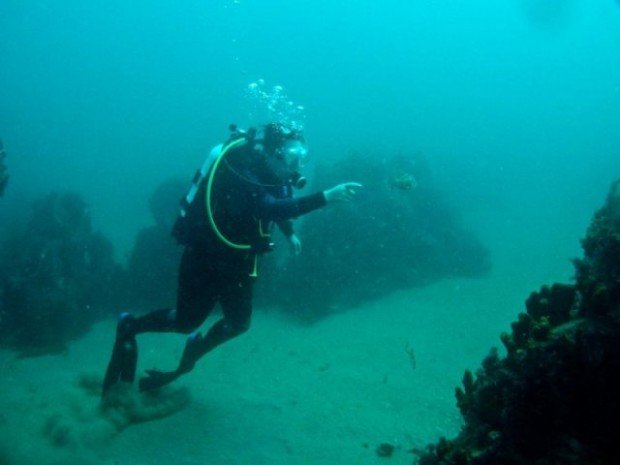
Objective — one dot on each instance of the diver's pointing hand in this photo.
(342, 192)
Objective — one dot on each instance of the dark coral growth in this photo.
(555, 397)
(4, 177)
(598, 274)
(399, 232)
(57, 276)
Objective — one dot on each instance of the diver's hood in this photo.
(280, 142)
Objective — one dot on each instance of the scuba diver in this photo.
(4, 177)
(224, 223)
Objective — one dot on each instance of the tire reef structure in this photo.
(554, 397)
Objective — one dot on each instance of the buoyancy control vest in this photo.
(197, 222)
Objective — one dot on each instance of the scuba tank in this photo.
(184, 228)
(188, 225)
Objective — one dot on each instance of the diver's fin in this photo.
(155, 379)
(124, 360)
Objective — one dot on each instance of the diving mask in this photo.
(294, 153)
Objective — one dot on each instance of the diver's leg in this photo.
(197, 291)
(193, 302)
(123, 362)
(197, 295)
(236, 300)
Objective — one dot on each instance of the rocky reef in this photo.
(400, 232)
(57, 276)
(554, 397)
(154, 260)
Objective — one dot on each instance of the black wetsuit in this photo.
(246, 201)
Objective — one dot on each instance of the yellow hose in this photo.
(232, 145)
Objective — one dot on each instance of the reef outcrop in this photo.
(400, 232)
(57, 276)
(554, 397)
(154, 260)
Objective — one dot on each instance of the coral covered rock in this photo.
(154, 260)
(553, 398)
(57, 276)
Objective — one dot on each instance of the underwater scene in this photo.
(292, 232)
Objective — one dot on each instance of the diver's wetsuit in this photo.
(245, 200)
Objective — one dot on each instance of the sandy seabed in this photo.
(282, 393)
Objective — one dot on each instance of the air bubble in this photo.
(274, 105)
